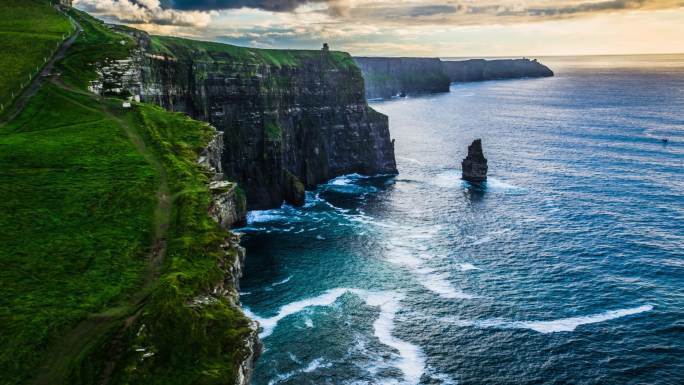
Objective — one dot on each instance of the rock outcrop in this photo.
(387, 77)
(228, 208)
(480, 69)
(474, 166)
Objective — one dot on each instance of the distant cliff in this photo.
(385, 77)
(480, 69)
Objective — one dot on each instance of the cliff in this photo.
(386, 77)
(481, 69)
(291, 119)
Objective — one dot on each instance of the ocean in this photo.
(567, 267)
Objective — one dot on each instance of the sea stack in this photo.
(475, 164)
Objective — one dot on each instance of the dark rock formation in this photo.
(480, 69)
(386, 77)
(475, 164)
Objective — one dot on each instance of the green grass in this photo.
(96, 44)
(220, 52)
(273, 131)
(198, 345)
(76, 208)
(30, 30)
(79, 178)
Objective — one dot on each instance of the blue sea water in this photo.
(566, 268)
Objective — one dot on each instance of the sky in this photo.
(458, 28)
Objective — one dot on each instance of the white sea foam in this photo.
(312, 366)
(498, 185)
(468, 267)
(553, 326)
(308, 322)
(268, 324)
(410, 359)
(281, 282)
(482, 241)
(447, 179)
(416, 161)
(261, 216)
(433, 280)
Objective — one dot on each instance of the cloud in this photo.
(397, 27)
(144, 12)
(487, 12)
(267, 5)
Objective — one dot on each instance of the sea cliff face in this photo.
(228, 209)
(480, 69)
(291, 119)
(386, 77)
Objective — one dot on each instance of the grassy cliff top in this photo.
(30, 31)
(104, 211)
(185, 48)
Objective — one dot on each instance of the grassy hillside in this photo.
(104, 212)
(30, 30)
(76, 202)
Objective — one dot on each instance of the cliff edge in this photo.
(385, 77)
(481, 69)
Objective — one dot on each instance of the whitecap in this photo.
(308, 322)
(447, 179)
(411, 360)
(412, 160)
(281, 282)
(312, 366)
(498, 185)
(468, 267)
(433, 280)
(261, 216)
(320, 237)
(553, 326)
(569, 324)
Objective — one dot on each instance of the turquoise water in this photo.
(568, 267)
